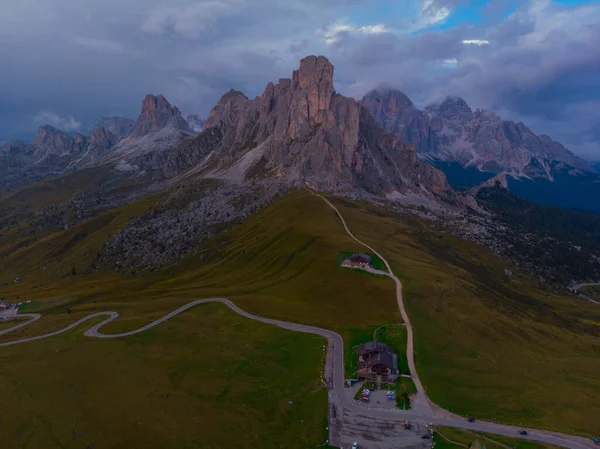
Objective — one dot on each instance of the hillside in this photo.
(476, 329)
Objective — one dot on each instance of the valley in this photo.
(452, 364)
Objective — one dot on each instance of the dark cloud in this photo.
(73, 61)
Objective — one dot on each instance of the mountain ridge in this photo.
(301, 130)
(452, 131)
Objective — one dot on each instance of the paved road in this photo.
(576, 288)
(33, 316)
(334, 368)
(588, 284)
(334, 375)
(420, 401)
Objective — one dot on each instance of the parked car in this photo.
(471, 419)
(596, 440)
(425, 436)
(522, 432)
(355, 445)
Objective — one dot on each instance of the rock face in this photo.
(300, 130)
(195, 122)
(452, 131)
(157, 113)
(396, 113)
(53, 144)
(482, 139)
(118, 126)
(159, 127)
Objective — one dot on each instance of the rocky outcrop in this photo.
(157, 114)
(300, 130)
(118, 126)
(53, 144)
(159, 127)
(396, 113)
(497, 181)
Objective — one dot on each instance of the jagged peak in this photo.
(43, 129)
(388, 97)
(233, 94)
(159, 102)
(314, 68)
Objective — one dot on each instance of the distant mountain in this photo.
(300, 130)
(50, 153)
(158, 128)
(473, 146)
(118, 126)
(396, 113)
(195, 122)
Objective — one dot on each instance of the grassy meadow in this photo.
(486, 345)
(206, 378)
(280, 263)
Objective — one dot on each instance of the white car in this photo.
(355, 445)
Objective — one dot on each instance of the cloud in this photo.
(432, 13)
(332, 34)
(535, 61)
(66, 124)
(105, 46)
(190, 20)
(475, 42)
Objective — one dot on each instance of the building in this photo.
(357, 260)
(376, 359)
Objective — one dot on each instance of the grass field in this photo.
(7, 324)
(461, 438)
(485, 346)
(206, 378)
(280, 263)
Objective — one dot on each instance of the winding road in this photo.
(423, 411)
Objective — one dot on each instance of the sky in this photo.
(67, 62)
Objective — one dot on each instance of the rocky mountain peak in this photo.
(387, 101)
(151, 103)
(315, 78)
(397, 113)
(455, 107)
(119, 126)
(226, 111)
(157, 113)
(300, 131)
(48, 133)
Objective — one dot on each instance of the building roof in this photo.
(360, 258)
(377, 354)
(383, 358)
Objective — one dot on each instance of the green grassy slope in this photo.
(487, 345)
(207, 378)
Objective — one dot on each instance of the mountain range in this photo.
(298, 131)
(471, 147)
(301, 131)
